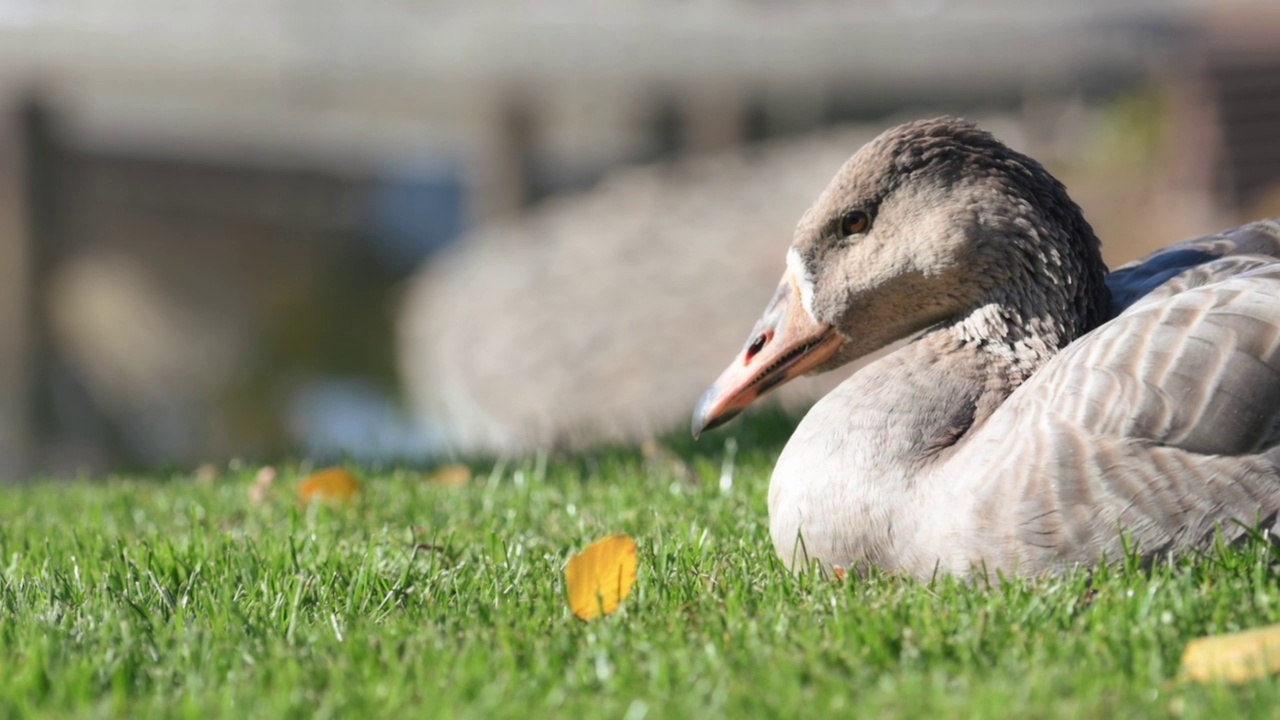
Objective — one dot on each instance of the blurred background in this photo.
(401, 230)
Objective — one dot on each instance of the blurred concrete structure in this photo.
(203, 205)
(15, 311)
(1240, 83)
(174, 301)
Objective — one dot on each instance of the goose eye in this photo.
(854, 222)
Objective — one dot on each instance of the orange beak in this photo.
(786, 343)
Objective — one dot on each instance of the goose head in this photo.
(933, 223)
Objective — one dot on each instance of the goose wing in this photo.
(1193, 362)
(1161, 423)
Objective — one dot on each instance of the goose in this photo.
(1043, 414)
(567, 326)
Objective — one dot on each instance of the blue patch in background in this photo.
(416, 213)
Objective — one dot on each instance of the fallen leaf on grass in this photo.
(329, 485)
(450, 476)
(1236, 658)
(600, 577)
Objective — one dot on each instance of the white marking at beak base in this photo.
(803, 280)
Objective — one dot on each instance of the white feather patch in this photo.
(803, 280)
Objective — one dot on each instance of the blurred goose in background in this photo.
(1044, 413)
(595, 317)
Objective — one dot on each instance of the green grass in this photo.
(136, 597)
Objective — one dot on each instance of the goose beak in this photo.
(786, 343)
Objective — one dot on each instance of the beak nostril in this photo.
(757, 345)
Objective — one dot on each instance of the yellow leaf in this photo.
(330, 485)
(450, 476)
(600, 577)
(1235, 658)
